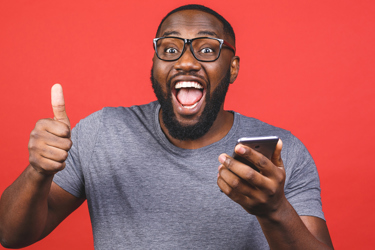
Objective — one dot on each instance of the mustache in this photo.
(182, 73)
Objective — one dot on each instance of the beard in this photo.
(211, 110)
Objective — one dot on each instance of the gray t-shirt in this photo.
(145, 193)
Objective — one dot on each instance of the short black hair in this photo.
(228, 30)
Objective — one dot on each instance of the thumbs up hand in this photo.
(50, 139)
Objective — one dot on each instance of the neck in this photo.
(219, 129)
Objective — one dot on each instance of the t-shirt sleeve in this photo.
(302, 186)
(84, 135)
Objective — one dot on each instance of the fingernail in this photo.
(240, 149)
(222, 158)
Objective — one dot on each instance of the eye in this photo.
(206, 50)
(171, 50)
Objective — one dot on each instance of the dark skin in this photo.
(192, 24)
(34, 205)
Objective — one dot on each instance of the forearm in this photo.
(24, 209)
(284, 229)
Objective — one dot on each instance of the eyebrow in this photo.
(203, 32)
(207, 33)
(168, 33)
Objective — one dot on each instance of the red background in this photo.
(307, 66)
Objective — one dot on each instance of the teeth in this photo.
(180, 85)
(191, 106)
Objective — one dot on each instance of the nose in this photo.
(187, 62)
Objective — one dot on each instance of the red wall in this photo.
(307, 66)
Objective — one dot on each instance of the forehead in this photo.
(192, 23)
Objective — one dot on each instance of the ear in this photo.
(234, 68)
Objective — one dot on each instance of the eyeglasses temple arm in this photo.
(230, 46)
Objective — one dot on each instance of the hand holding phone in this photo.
(264, 144)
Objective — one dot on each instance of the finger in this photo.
(49, 166)
(58, 104)
(54, 154)
(60, 143)
(245, 172)
(53, 127)
(40, 140)
(264, 165)
(276, 157)
(243, 200)
(253, 200)
(228, 190)
(235, 182)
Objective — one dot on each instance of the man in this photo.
(149, 173)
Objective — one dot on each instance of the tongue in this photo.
(189, 96)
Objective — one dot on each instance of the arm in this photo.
(33, 205)
(262, 194)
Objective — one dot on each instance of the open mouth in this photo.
(188, 93)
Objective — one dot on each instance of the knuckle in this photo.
(232, 194)
(33, 146)
(262, 200)
(65, 131)
(271, 192)
(249, 176)
(229, 163)
(235, 183)
(35, 133)
(263, 161)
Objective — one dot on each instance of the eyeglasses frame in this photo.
(189, 42)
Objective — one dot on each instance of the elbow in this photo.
(3, 240)
(9, 243)
(4, 243)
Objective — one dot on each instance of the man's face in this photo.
(191, 93)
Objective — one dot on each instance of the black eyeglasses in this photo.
(205, 49)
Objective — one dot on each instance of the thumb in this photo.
(276, 157)
(58, 104)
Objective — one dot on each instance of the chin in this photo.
(190, 127)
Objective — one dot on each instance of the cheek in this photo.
(216, 73)
(161, 70)
(160, 74)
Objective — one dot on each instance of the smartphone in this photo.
(263, 144)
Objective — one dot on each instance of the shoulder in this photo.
(114, 115)
(112, 123)
(249, 126)
(293, 148)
